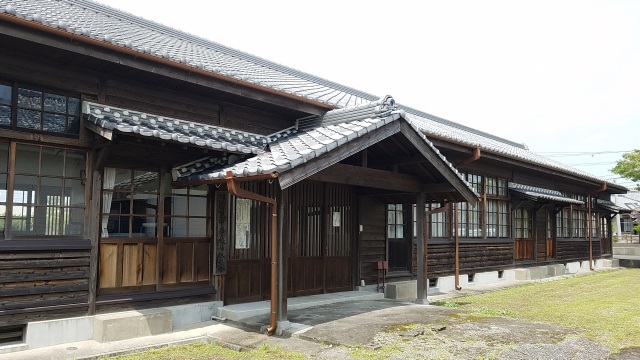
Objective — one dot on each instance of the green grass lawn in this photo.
(199, 351)
(606, 304)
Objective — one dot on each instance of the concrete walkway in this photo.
(305, 313)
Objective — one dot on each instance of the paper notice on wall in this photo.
(243, 223)
(336, 218)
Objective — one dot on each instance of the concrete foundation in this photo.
(508, 275)
(572, 267)
(607, 263)
(556, 270)
(131, 324)
(532, 273)
(585, 265)
(484, 278)
(53, 332)
(193, 313)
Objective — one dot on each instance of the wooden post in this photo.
(423, 282)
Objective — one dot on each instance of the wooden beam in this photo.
(374, 178)
(435, 160)
(107, 134)
(330, 158)
(38, 137)
(438, 188)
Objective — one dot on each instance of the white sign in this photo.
(336, 218)
(243, 223)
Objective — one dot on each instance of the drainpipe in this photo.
(602, 188)
(457, 250)
(240, 192)
(474, 157)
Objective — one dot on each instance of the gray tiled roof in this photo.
(609, 205)
(542, 193)
(335, 128)
(174, 130)
(119, 28)
(314, 138)
(433, 126)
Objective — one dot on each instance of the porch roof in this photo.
(536, 193)
(611, 207)
(108, 119)
(321, 142)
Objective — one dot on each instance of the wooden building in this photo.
(141, 166)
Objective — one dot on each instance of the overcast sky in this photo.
(559, 76)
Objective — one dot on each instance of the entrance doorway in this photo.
(399, 244)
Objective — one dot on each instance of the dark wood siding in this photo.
(41, 285)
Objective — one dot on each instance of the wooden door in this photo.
(323, 229)
(398, 241)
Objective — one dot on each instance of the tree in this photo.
(629, 166)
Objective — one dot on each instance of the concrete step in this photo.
(131, 324)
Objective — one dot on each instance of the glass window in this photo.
(579, 223)
(476, 182)
(130, 203)
(522, 223)
(44, 111)
(395, 221)
(45, 203)
(562, 223)
(5, 105)
(492, 186)
(186, 213)
(491, 217)
(604, 227)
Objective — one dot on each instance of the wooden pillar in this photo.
(423, 282)
(284, 234)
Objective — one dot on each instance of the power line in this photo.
(579, 153)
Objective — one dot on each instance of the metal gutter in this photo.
(240, 192)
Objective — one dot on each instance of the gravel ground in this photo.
(388, 330)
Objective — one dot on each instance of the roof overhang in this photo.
(307, 154)
(107, 120)
(541, 194)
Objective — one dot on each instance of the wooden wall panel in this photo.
(573, 250)
(131, 265)
(186, 262)
(149, 264)
(201, 262)
(108, 266)
(169, 264)
(39, 284)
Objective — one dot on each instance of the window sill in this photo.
(45, 244)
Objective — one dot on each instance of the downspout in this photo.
(240, 192)
(602, 188)
(474, 157)
(457, 249)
